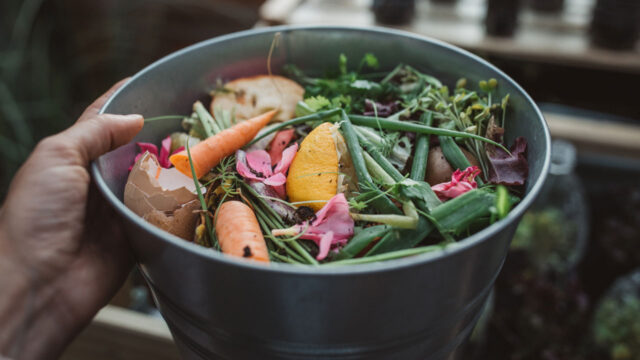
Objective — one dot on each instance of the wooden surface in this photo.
(559, 38)
(120, 334)
(595, 136)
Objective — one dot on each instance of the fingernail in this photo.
(131, 116)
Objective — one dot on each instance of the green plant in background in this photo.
(56, 56)
(548, 238)
(616, 325)
(32, 88)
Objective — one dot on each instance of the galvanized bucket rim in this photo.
(324, 270)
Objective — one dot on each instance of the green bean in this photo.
(355, 150)
(382, 203)
(322, 115)
(361, 240)
(421, 153)
(208, 123)
(453, 216)
(380, 159)
(394, 125)
(403, 239)
(376, 171)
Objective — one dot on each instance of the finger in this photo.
(101, 134)
(93, 109)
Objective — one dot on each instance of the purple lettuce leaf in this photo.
(508, 169)
(382, 109)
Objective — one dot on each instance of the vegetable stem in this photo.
(387, 256)
(417, 128)
(322, 115)
(381, 160)
(399, 221)
(381, 203)
(203, 203)
(421, 153)
(208, 123)
(376, 170)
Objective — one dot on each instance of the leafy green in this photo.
(369, 60)
(318, 103)
(420, 192)
(348, 89)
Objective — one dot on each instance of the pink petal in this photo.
(461, 182)
(260, 161)
(287, 157)
(275, 180)
(181, 148)
(163, 159)
(135, 161)
(333, 218)
(144, 147)
(279, 142)
(148, 147)
(243, 169)
(325, 245)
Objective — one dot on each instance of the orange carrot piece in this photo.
(208, 153)
(239, 233)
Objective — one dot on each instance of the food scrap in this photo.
(343, 169)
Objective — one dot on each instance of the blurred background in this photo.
(570, 288)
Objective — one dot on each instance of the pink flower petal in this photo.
(148, 147)
(144, 147)
(287, 157)
(242, 168)
(163, 159)
(260, 161)
(461, 182)
(279, 142)
(181, 148)
(333, 218)
(325, 245)
(275, 180)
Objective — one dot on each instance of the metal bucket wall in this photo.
(416, 308)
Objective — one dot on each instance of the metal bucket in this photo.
(421, 307)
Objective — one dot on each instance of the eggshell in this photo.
(164, 197)
(181, 223)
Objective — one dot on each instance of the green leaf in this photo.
(369, 60)
(342, 64)
(318, 103)
(420, 192)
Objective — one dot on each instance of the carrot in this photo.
(208, 153)
(239, 233)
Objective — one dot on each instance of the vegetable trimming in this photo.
(356, 166)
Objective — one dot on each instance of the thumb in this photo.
(100, 134)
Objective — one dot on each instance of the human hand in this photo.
(62, 252)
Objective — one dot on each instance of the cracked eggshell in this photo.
(164, 197)
(181, 223)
